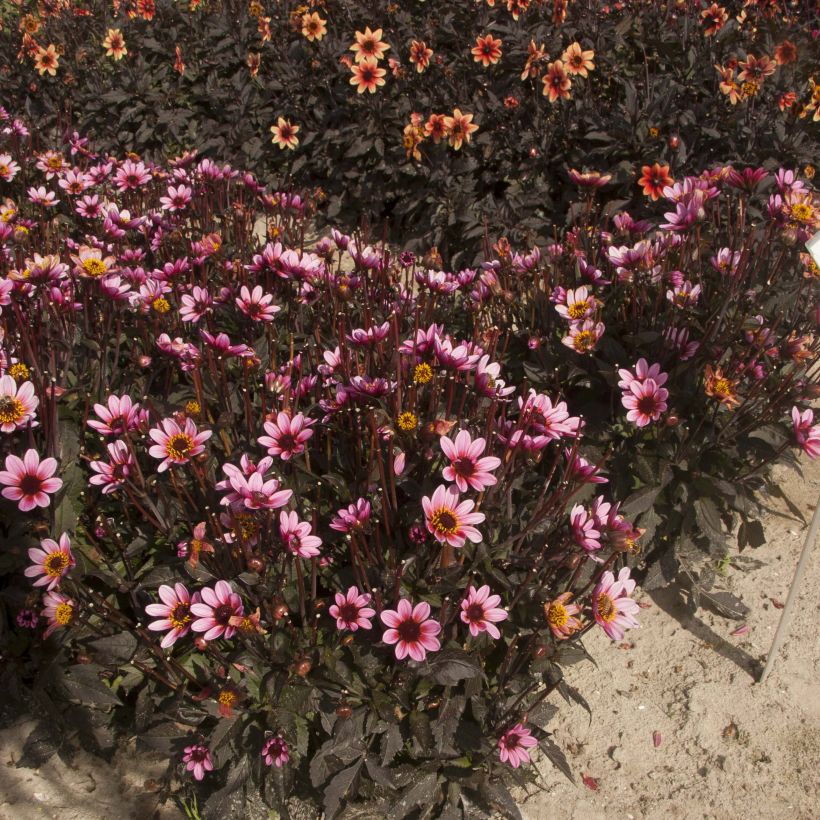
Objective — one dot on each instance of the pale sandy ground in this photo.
(729, 747)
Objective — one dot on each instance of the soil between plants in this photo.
(729, 749)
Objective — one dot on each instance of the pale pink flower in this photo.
(131, 175)
(643, 371)
(584, 529)
(58, 610)
(807, 436)
(287, 436)
(253, 491)
(120, 416)
(553, 422)
(275, 751)
(175, 444)
(577, 305)
(297, 535)
(212, 615)
(645, 402)
(174, 613)
(467, 468)
(257, 304)
(197, 759)
(51, 563)
(487, 381)
(450, 521)
(513, 746)
(584, 336)
(41, 196)
(410, 630)
(18, 405)
(111, 475)
(195, 304)
(353, 518)
(29, 481)
(480, 611)
(176, 199)
(612, 607)
(352, 610)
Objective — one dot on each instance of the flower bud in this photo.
(303, 667)
(344, 711)
(674, 141)
(256, 564)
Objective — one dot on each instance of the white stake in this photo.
(793, 591)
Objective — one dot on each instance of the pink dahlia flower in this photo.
(513, 745)
(352, 610)
(645, 402)
(29, 481)
(643, 371)
(174, 613)
(51, 563)
(212, 615)
(120, 416)
(353, 518)
(257, 304)
(410, 629)
(275, 751)
(584, 529)
(578, 305)
(467, 468)
(297, 535)
(286, 438)
(480, 611)
(808, 436)
(449, 520)
(548, 420)
(197, 759)
(18, 405)
(561, 616)
(612, 607)
(254, 492)
(58, 610)
(111, 475)
(175, 444)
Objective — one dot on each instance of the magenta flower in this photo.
(120, 416)
(807, 436)
(584, 336)
(29, 481)
(195, 304)
(480, 611)
(275, 751)
(297, 535)
(253, 491)
(612, 607)
(548, 420)
(197, 759)
(176, 199)
(353, 518)
(174, 613)
(645, 402)
(466, 467)
(111, 475)
(175, 444)
(50, 563)
(513, 746)
(643, 371)
(449, 521)
(584, 529)
(257, 304)
(580, 469)
(58, 610)
(286, 438)
(18, 405)
(212, 615)
(411, 631)
(351, 610)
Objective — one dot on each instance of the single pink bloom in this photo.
(197, 759)
(51, 563)
(212, 615)
(449, 520)
(467, 469)
(118, 416)
(111, 475)
(351, 610)
(297, 535)
(175, 444)
(286, 438)
(275, 751)
(584, 529)
(578, 305)
(254, 492)
(612, 607)
(643, 371)
(174, 613)
(29, 481)
(513, 745)
(480, 611)
(58, 610)
(561, 617)
(645, 402)
(353, 518)
(410, 630)
(18, 405)
(257, 304)
(807, 436)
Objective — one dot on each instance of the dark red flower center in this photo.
(648, 405)
(475, 612)
(222, 614)
(30, 484)
(349, 612)
(409, 630)
(287, 441)
(464, 467)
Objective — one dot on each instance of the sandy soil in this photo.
(728, 747)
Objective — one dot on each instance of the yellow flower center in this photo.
(54, 163)
(56, 564)
(584, 341)
(577, 310)
(722, 387)
(11, 410)
(606, 608)
(444, 522)
(750, 89)
(801, 212)
(423, 373)
(408, 421)
(63, 614)
(161, 305)
(227, 698)
(557, 615)
(247, 526)
(19, 371)
(192, 408)
(180, 616)
(179, 445)
(94, 267)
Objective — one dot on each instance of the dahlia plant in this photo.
(329, 520)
